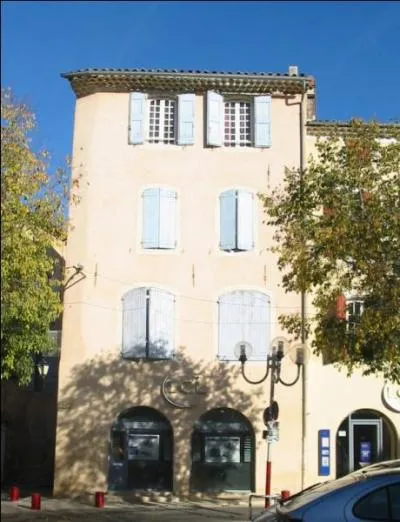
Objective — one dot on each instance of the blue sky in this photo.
(351, 48)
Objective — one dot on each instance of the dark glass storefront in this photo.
(222, 452)
(141, 451)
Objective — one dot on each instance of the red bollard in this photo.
(285, 494)
(14, 494)
(99, 499)
(35, 501)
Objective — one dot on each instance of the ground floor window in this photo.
(222, 452)
(140, 456)
(364, 437)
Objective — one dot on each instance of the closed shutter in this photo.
(258, 324)
(230, 331)
(245, 221)
(161, 324)
(214, 119)
(228, 220)
(262, 121)
(137, 111)
(134, 323)
(151, 218)
(186, 107)
(244, 316)
(167, 219)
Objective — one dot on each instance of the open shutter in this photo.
(227, 206)
(151, 218)
(245, 221)
(215, 107)
(262, 121)
(229, 312)
(257, 328)
(186, 104)
(341, 307)
(134, 323)
(136, 117)
(167, 225)
(161, 324)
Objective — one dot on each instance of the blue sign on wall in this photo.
(324, 452)
(365, 453)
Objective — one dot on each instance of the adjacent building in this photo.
(170, 273)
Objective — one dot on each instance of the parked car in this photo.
(368, 494)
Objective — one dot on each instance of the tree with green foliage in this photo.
(338, 234)
(33, 218)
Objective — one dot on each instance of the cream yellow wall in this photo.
(105, 239)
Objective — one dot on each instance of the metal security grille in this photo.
(162, 121)
(237, 124)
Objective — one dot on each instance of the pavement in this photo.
(117, 510)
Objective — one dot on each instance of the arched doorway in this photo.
(364, 437)
(222, 452)
(141, 451)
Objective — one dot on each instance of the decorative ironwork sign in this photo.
(180, 393)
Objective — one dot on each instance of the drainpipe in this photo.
(303, 309)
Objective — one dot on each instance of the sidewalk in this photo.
(118, 510)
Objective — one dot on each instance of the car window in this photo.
(394, 496)
(374, 506)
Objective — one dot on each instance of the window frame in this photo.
(237, 100)
(162, 98)
(353, 301)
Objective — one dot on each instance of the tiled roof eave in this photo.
(85, 83)
(324, 128)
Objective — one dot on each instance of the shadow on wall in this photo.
(99, 390)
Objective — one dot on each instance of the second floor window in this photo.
(161, 128)
(160, 119)
(237, 124)
(236, 220)
(159, 218)
(354, 310)
(148, 324)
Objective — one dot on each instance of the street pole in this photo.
(269, 462)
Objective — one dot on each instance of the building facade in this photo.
(173, 274)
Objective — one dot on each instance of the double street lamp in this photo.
(274, 363)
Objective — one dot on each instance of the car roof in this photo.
(317, 491)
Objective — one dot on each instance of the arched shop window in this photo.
(222, 452)
(140, 457)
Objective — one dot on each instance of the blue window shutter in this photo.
(227, 206)
(215, 119)
(137, 117)
(245, 221)
(161, 323)
(151, 218)
(134, 323)
(186, 107)
(258, 323)
(167, 226)
(262, 121)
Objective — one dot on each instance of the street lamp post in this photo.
(41, 371)
(274, 362)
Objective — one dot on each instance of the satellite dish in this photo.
(248, 348)
(280, 343)
(299, 353)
